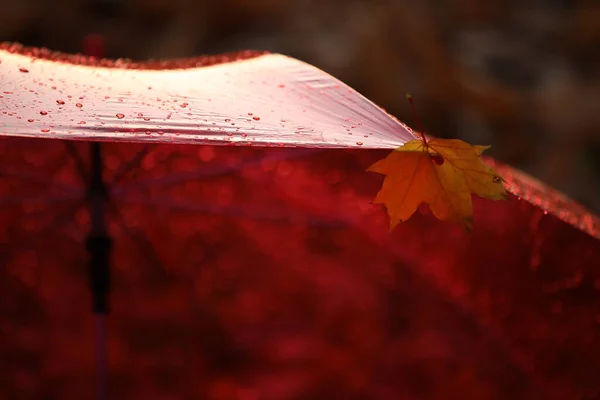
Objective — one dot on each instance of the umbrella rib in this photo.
(143, 244)
(31, 178)
(238, 212)
(79, 165)
(18, 200)
(213, 171)
(60, 219)
(131, 164)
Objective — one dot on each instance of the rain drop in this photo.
(256, 118)
(79, 105)
(23, 70)
(60, 102)
(45, 130)
(183, 105)
(359, 143)
(120, 116)
(43, 112)
(30, 120)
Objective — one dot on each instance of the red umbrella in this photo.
(255, 272)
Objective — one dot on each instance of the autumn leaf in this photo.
(442, 173)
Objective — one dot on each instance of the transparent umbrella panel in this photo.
(240, 99)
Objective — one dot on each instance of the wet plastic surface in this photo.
(254, 99)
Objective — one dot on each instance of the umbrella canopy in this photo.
(245, 98)
(265, 273)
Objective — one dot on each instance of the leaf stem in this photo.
(417, 120)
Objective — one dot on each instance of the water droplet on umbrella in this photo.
(30, 120)
(43, 112)
(120, 116)
(256, 118)
(45, 130)
(359, 143)
(23, 70)
(183, 105)
(61, 102)
(79, 105)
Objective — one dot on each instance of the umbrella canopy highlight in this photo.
(246, 99)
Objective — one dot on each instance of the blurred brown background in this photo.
(522, 76)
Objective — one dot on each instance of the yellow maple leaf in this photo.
(442, 173)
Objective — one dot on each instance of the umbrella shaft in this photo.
(97, 191)
(98, 243)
